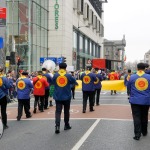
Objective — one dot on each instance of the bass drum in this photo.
(49, 65)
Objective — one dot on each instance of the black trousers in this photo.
(96, 96)
(59, 106)
(86, 95)
(36, 101)
(128, 92)
(113, 91)
(3, 104)
(73, 92)
(46, 98)
(26, 104)
(140, 118)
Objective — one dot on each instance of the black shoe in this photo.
(92, 110)
(144, 134)
(6, 127)
(57, 129)
(41, 110)
(83, 111)
(18, 118)
(97, 104)
(29, 116)
(34, 111)
(67, 127)
(136, 138)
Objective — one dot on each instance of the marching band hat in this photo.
(44, 69)
(25, 73)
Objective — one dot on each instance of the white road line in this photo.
(86, 135)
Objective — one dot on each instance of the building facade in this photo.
(147, 57)
(114, 50)
(76, 30)
(27, 32)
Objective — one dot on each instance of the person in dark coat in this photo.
(24, 88)
(62, 95)
(5, 84)
(139, 86)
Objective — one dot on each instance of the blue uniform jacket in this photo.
(24, 87)
(147, 71)
(62, 82)
(48, 79)
(88, 80)
(139, 86)
(98, 84)
(6, 84)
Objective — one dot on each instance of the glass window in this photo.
(90, 48)
(86, 45)
(81, 44)
(74, 40)
(18, 30)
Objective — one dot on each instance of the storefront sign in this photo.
(56, 7)
(2, 16)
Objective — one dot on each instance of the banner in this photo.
(114, 85)
(108, 85)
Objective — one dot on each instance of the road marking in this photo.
(86, 135)
(72, 111)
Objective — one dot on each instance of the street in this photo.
(109, 127)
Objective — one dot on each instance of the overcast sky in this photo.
(132, 18)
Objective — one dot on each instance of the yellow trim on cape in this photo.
(140, 72)
(62, 72)
(87, 72)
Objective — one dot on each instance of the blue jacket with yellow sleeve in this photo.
(62, 82)
(88, 80)
(24, 87)
(139, 86)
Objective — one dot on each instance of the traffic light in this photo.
(64, 59)
(18, 60)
